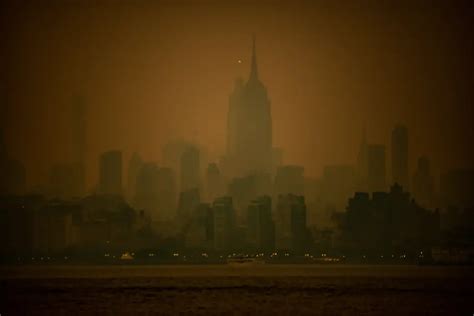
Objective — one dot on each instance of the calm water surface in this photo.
(221, 289)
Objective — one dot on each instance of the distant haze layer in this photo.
(151, 72)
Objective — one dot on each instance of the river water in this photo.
(222, 289)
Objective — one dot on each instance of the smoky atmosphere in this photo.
(304, 156)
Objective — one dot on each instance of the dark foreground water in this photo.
(257, 290)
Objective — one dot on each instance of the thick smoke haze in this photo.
(151, 72)
(237, 157)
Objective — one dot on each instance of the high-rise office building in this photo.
(134, 165)
(400, 156)
(110, 177)
(146, 196)
(362, 164)
(166, 187)
(78, 140)
(376, 172)
(249, 127)
(260, 226)
(214, 182)
(289, 179)
(190, 169)
(223, 213)
(187, 202)
(290, 223)
(423, 183)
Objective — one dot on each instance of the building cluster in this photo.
(12, 171)
(32, 224)
(388, 223)
(247, 201)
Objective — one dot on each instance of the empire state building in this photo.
(249, 126)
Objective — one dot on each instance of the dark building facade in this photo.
(423, 183)
(389, 223)
(190, 169)
(400, 156)
(249, 127)
(376, 170)
(290, 223)
(260, 226)
(110, 177)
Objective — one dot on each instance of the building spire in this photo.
(253, 69)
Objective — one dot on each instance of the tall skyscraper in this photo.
(223, 213)
(146, 190)
(376, 168)
(338, 184)
(362, 164)
(199, 233)
(290, 223)
(134, 166)
(260, 227)
(400, 156)
(456, 187)
(166, 187)
(190, 169)
(214, 182)
(289, 179)
(110, 178)
(423, 183)
(242, 190)
(78, 137)
(63, 181)
(188, 201)
(12, 172)
(249, 127)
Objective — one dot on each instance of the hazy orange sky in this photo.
(152, 72)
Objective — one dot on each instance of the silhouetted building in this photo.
(289, 179)
(400, 156)
(224, 224)
(249, 127)
(105, 221)
(147, 190)
(389, 223)
(260, 226)
(173, 151)
(290, 223)
(423, 183)
(362, 164)
(190, 169)
(78, 137)
(338, 184)
(12, 177)
(110, 177)
(199, 233)
(188, 201)
(244, 189)
(457, 187)
(376, 168)
(31, 225)
(18, 222)
(214, 182)
(54, 227)
(63, 181)
(134, 166)
(12, 172)
(277, 159)
(166, 187)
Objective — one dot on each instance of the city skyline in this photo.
(145, 109)
(237, 157)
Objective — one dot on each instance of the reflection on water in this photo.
(284, 289)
